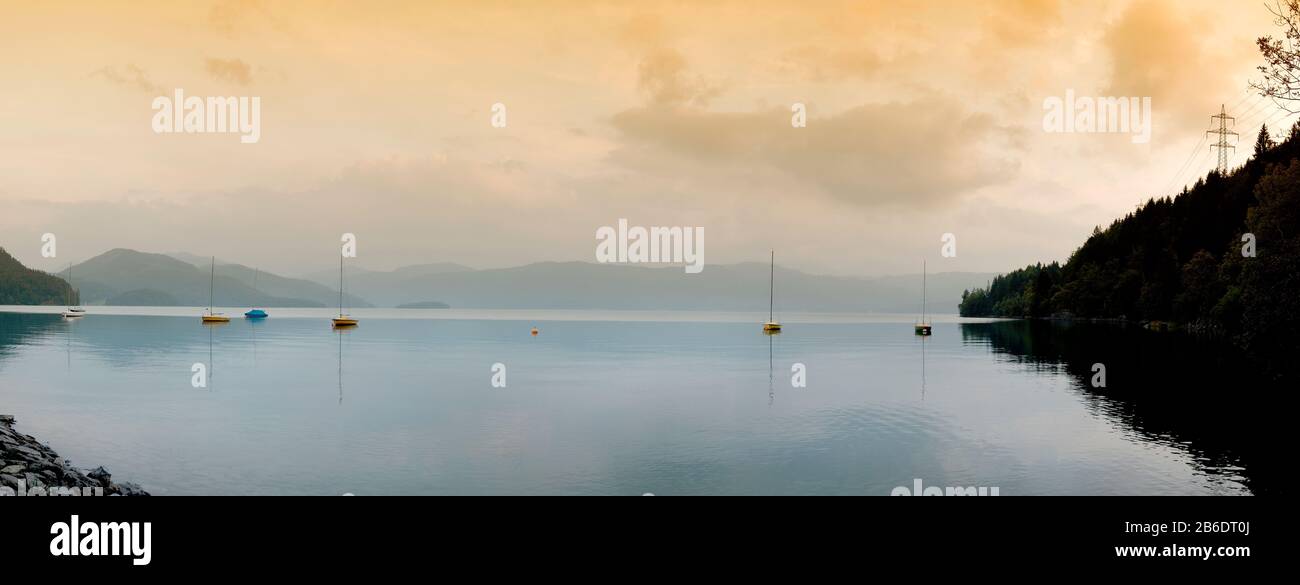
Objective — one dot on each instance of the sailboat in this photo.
(923, 326)
(210, 317)
(772, 326)
(255, 313)
(72, 312)
(343, 320)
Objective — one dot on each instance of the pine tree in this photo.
(1264, 143)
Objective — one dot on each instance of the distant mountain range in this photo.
(127, 277)
(740, 287)
(584, 285)
(385, 289)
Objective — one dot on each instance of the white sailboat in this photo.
(73, 312)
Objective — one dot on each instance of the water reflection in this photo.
(253, 324)
(212, 358)
(924, 339)
(1194, 395)
(340, 332)
(771, 372)
(626, 407)
(18, 330)
(70, 324)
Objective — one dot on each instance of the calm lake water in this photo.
(630, 403)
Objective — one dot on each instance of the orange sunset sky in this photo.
(924, 118)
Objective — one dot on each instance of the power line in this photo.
(1251, 115)
(1205, 157)
(1279, 116)
(1262, 114)
(1223, 134)
(1273, 120)
(1255, 120)
(1243, 99)
(1254, 105)
(1196, 149)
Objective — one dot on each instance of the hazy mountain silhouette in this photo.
(583, 285)
(128, 277)
(365, 283)
(131, 277)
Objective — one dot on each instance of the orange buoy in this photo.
(534, 332)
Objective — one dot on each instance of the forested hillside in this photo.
(1222, 257)
(20, 285)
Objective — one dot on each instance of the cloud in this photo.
(230, 70)
(1023, 23)
(913, 154)
(1155, 52)
(228, 17)
(129, 75)
(662, 76)
(819, 63)
(643, 31)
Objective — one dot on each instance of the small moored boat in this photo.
(923, 327)
(772, 326)
(209, 316)
(255, 313)
(343, 320)
(72, 312)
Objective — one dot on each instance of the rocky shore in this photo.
(28, 467)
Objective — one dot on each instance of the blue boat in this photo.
(255, 313)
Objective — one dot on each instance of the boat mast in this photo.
(212, 283)
(923, 275)
(340, 285)
(771, 287)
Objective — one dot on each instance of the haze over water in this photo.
(616, 403)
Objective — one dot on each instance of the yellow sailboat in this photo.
(772, 326)
(343, 320)
(209, 316)
(923, 326)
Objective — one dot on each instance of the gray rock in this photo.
(101, 475)
(23, 458)
(7, 419)
(33, 480)
(127, 488)
(27, 453)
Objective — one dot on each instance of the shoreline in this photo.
(31, 468)
(521, 315)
